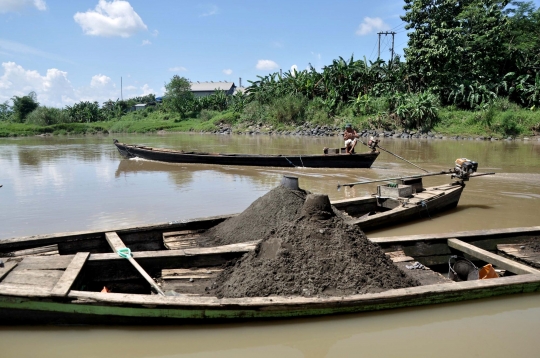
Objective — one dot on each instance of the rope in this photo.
(124, 253)
(290, 162)
(301, 161)
(397, 156)
(424, 205)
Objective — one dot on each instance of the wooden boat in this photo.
(389, 206)
(393, 205)
(67, 286)
(335, 160)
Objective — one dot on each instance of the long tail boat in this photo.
(330, 159)
(92, 278)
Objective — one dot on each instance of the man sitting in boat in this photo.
(351, 138)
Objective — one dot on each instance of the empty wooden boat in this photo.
(330, 160)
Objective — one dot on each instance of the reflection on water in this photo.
(58, 184)
(501, 327)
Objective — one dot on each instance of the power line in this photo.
(386, 33)
(371, 55)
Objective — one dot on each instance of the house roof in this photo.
(211, 86)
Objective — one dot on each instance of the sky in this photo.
(96, 50)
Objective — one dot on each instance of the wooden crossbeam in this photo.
(492, 258)
(8, 266)
(65, 282)
(116, 243)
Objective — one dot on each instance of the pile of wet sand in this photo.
(316, 254)
(265, 214)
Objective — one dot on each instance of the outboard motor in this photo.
(464, 168)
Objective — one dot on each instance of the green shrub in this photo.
(417, 111)
(229, 117)
(207, 114)
(288, 109)
(45, 116)
(508, 124)
(254, 112)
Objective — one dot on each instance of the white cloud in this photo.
(213, 10)
(227, 71)
(146, 90)
(99, 81)
(178, 69)
(55, 89)
(155, 33)
(115, 18)
(146, 42)
(16, 5)
(266, 65)
(52, 89)
(371, 24)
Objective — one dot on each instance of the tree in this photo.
(5, 111)
(22, 106)
(85, 112)
(456, 44)
(178, 96)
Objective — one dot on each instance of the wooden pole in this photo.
(388, 179)
(116, 243)
(499, 261)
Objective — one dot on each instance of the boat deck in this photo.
(521, 252)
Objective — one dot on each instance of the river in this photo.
(58, 184)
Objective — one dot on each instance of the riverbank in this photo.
(510, 124)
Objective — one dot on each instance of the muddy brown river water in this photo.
(57, 184)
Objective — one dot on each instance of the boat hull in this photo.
(357, 160)
(120, 309)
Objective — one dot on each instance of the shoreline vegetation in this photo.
(492, 124)
(471, 69)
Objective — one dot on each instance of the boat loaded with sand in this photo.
(289, 254)
(331, 159)
(85, 285)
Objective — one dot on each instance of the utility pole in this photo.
(392, 49)
(121, 95)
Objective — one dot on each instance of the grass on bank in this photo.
(500, 119)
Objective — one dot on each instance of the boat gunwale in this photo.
(278, 302)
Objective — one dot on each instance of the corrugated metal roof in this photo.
(211, 86)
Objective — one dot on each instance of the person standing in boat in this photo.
(351, 138)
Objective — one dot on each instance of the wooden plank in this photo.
(26, 242)
(43, 278)
(453, 289)
(63, 285)
(492, 258)
(398, 256)
(14, 289)
(8, 266)
(182, 233)
(116, 244)
(42, 250)
(476, 234)
(45, 262)
(186, 274)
